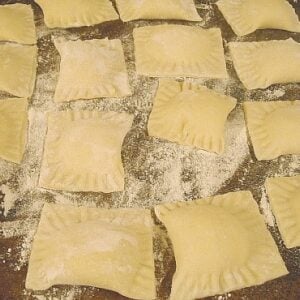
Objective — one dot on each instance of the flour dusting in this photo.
(9, 199)
(265, 206)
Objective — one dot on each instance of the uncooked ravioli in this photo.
(91, 69)
(76, 13)
(17, 23)
(83, 151)
(274, 127)
(245, 16)
(190, 114)
(13, 128)
(105, 248)
(178, 50)
(156, 9)
(229, 246)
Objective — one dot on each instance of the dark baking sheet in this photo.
(146, 161)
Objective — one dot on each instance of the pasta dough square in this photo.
(154, 9)
(18, 69)
(91, 69)
(274, 127)
(76, 13)
(13, 128)
(110, 249)
(229, 246)
(17, 24)
(261, 64)
(245, 16)
(83, 151)
(284, 195)
(190, 114)
(177, 50)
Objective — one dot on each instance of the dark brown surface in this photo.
(137, 148)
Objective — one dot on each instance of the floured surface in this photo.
(154, 170)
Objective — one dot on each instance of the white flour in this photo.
(9, 199)
(265, 206)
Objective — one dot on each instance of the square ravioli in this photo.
(178, 50)
(13, 128)
(155, 9)
(284, 195)
(17, 24)
(18, 69)
(91, 69)
(83, 151)
(109, 249)
(274, 127)
(261, 64)
(245, 16)
(229, 245)
(76, 13)
(190, 114)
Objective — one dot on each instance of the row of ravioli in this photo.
(220, 243)
(244, 16)
(183, 112)
(101, 72)
(100, 69)
(196, 53)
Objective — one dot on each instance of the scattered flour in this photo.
(265, 206)
(9, 199)
(275, 93)
(223, 297)
(206, 11)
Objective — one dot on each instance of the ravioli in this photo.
(13, 128)
(178, 50)
(274, 128)
(190, 114)
(245, 16)
(284, 195)
(83, 151)
(91, 69)
(76, 13)
(154, 9)
(110, 249)
(17, 23)
(261, 64)
(220, 244)
(18, 69)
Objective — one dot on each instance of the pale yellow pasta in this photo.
(17, 23)
(91, 69)
(274, 127)
(13, 128)
(156, 9)
(83, 151)
(284, 195)
(220, 244)
(110, 249)
(190, 114)
(245, 16)
(261, 64)
(18, 69)
(76, 13)
(178, 50)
